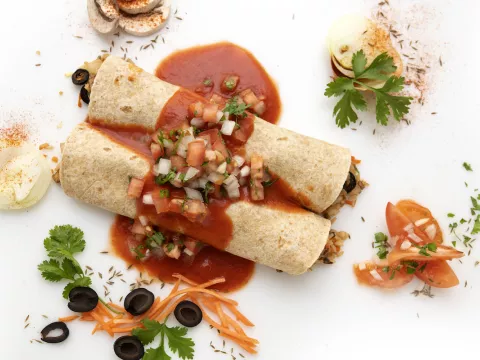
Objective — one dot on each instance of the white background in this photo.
(323, 314)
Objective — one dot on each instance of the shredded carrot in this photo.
(185, 279)
(177, 285)
(104, 310)
(234, 324)
(100, 320)
(356, 161)
(124, 330)
(204, 285)
(68, 318)
(116, 307)
(242, 344)
(87, 318)
(171, 308)
(152, 309)
(240, 317)
(221, 315)
(348, 202)
(96, 328)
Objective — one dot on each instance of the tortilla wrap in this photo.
(95, 169)
(123, 94)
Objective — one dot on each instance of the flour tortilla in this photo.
(95, 169)
(123, 94)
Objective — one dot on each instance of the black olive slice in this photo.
(85, 95)
(80, 77)
(188, 313)
(139, 301)
(350, 184)
(82, 299)
(52, 327)
(128, 348)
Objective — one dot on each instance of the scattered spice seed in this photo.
(55, 159)
(60, 93)
(26, 326)
(38, 64)
(37, 52)
(129, 42)
(434, 113)
(45, 316)
(100, 275)
(178, 17)
(440, 61)
(110, 270)
(363, 219)
(117, 34)
(241, 355)
(45, 146)
(477, 262)
(103, 252)
(162, 286)
(78, 36)
(38, 341)
(465, 283)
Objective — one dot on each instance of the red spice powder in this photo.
(14, 135)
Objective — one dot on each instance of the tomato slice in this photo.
(398, 222)
(437, 274)
(415, 212)
(395, 277)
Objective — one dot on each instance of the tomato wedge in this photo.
(374, 275)
(398, 224)
(413, 253)
(416, 213)
(437, 274)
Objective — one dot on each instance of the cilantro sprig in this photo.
(381, 68)
(64, 241)
(177, 340)
(381, 245)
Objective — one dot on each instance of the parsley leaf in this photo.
(432, 247)
(52, 271)
(381, 68)
(178, 343)
(162, 179)
(164, 193)
(82, 281)
(156, 354)
(236, 109)
(467, 166)
(64, 239)
(476, 226)
(451, 215)
(147, 335)
(476, 206)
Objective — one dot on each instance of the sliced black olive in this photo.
(188, 314)
(139, 301)
(85, 95)
(57, 338)
(80, 77)
(128, 348)
(82, 299)
(350, 183)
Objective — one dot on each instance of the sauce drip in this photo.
(190, 68)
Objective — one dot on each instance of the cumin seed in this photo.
(45, 316)
(28, 317)
(100, 275)
(26, 326)
(178, 17)
(103, 252)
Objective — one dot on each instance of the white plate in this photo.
(323, 314)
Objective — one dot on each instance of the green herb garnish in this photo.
(381, 68)
(138, 251)
(162, 179)
(177, 340)
(64, 241)
(164, 193)
(450, 215)
(236, 109)
(381, 244)
(467, 166)
(423, 250)
(476, 226)
(206, 191)
(207, 82)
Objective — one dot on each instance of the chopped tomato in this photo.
(195, 210)
(217, 99)
(196, 109)
(135, 188)
(138, 228)
(194, 246)
(442, 252)
(249, 97)
(196, 153)
(230, 83)
(388, 277)
(172, 251)
(398, 225)
(260, 108)
(437, 274)
(178, 162)
(257, 192)
(221, 147)
(256, 167)
(210, 135)
(157, 151)
(210, 113)
(419, 214)
(176, 206)
(160, 202)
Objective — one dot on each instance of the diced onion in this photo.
(177, 182)
(188, 252)
(406, 245)
(431, 231)
(219, 115)
(187, 140)
(227, 127)
(189, 132)
(238, 160)
(197, 122)
(408, 228)
(193, 184)
(362, 266)
(216, 178)
(191, 172)
(193, 194)
(245, 171)
(421, 222)
(414, 237)
(235, 172)
(376, 275)
(210, 155)
(226, 114)
(222, 168)
(233, 193)
(230, 180)
(202, 182)
(167, 144)
(143, 219)
(148, 199)
(182, 150)
(163, 167)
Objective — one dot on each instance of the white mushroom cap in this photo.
(146, 24)
(103, 15)
(137, 6)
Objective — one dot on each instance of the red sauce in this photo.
(174, 113)
(189, 68)
(209, 263)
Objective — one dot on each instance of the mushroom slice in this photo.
(103, 15)
(352, 33)
(146, 24)
(138, 6)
